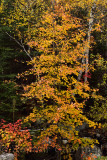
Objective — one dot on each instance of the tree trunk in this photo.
(88, 45)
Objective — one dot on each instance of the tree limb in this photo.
(20, 44)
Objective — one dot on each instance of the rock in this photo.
(82, 127)
(10, 156)
(98, 135)
(7, 156)
(104, 149)
(64, 141)
(3, 157)
(84, 153)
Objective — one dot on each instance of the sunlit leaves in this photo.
(59, 96)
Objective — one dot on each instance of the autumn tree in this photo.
(59, 96)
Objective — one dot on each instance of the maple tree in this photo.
(59, 96)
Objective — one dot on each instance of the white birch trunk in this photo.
(86, 59)
(88, 45)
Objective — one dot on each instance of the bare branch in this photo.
(20, 44)
(14, 39)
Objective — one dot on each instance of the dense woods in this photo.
(53, 62)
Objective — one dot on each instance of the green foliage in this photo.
(7, 94)
(102, 158)
(9, 67)
(98, 107)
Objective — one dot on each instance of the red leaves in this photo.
(88, 75)
(14, 133)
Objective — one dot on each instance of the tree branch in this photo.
(20, 44)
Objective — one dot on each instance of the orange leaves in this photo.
(32, 43)
(58, 110)
(56, 28)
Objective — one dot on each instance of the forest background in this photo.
(52, 72)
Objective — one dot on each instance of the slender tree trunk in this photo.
(88, 45)
(53, 4)
(80, 73)
(58, 155)
(14, 103)
(86, 59)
